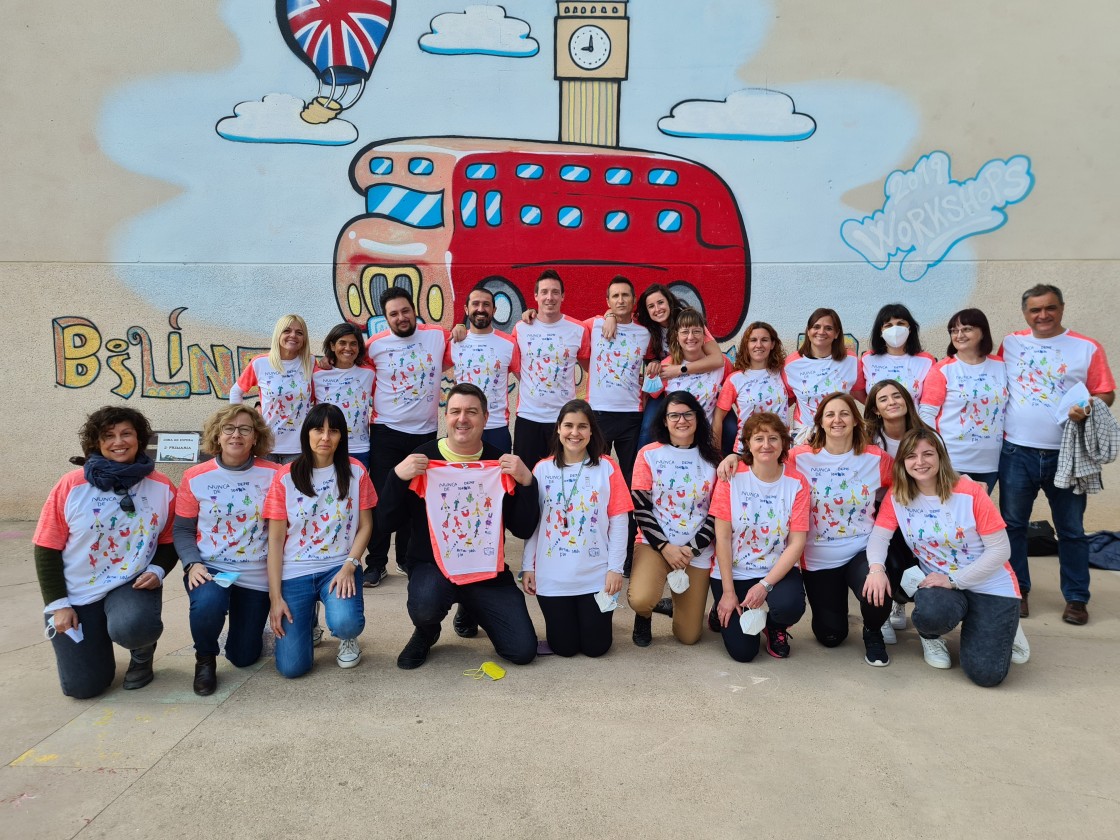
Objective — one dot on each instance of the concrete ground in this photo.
(663, 742)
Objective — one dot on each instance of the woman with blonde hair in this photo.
(283, 376)
(222, 539)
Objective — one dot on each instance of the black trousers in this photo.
(387, 448)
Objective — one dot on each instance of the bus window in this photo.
(481, 171)
(493, 208)
(663, 177)
(413, 207)
(617, 220)
(530, 171)
(569, 217)
(381, 166)
(468, 208)
(530, 215)
(421, 166)
(618, 177)
(575, 173)
(669, 221)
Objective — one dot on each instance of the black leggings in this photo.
(787, 605)
(573, 624)
(827, 591)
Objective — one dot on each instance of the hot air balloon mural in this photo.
(340, 41)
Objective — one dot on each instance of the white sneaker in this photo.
(898, 616)
(889, 636)
(316, 636)
(936, 653)
(1020, 647)
(349, 654)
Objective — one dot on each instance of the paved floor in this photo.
(662, 742)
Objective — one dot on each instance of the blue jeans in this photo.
(499, 438)
(1024, 471)
(130, 617)
(497, 605)
(649, 414)
(345, 619)
(988, 479)
(988, 624)
(247, 610)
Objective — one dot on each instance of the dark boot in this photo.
(643, 635)
(140, 672)
(205, 674)
(415, 653)
(664, 607)
(465, 625)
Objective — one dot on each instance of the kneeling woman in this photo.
(220, 530)
(672, 490)
(102, 547)
(761, 517)
(845, 476)
(320, 512)
(579, 546)
(960, 541)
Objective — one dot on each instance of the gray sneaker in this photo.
(349, 654)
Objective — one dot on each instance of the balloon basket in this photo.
(320, 110)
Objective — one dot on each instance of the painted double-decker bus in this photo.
(446, 213)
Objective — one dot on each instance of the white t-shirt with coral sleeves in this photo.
(409, 374)
(286, 397)
(811, 380)
(550, 356)
(909, 371)
(971, 403)
(351, 389)
(487, 360)
(615, 367)
(753, 391)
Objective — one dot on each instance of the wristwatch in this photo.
(769, 587)
(355, 561)
(684, 368)
(695, 551)
(952, 582)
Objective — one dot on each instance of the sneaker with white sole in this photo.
(889, 636)
(875, 652)
(936, 653)
(898, 616)
(316, 636)
(349, 654)
(1020, 647)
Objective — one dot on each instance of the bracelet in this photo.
(876, 571)
(610, 315)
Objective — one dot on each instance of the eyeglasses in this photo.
(961, 330)
(244, 431)
(678, 416)
(127, 504)
(690, 331)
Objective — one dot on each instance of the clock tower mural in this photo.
(592, 53)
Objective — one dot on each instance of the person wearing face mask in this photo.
(896, 351)
(822, 365)
(756, 383)
(965, 398)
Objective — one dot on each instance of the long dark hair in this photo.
(895, 310)
(330, 415)
(596, 446)
(703, 436)
(338, 332)
(657, 350)
(874, 420)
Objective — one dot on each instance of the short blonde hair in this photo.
(212, 428)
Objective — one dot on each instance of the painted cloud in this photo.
(926, 212)
(275, 119)
(480, 30)
(750, 114)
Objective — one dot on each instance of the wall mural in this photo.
(596, 138)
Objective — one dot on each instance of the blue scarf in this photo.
(110, 475)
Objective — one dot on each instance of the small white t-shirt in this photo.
(971, 402)
(286, 398)
(704, 386)
(352, 391)
(615, 368)
(487, 360)
(753, 391)
(842, 502)
(550, 355)
(409, 376)
(909, 371)
(680, 483)
(810, 380)
(229, 505)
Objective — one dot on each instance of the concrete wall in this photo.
(138, 217)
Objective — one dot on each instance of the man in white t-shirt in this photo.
(551, 350)
(408, 362)
(1044, 363)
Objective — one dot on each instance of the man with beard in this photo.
(408, 363)
(486, 357)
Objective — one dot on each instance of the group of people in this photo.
(760, 480)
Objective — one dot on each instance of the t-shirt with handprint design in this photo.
(843, 491)
(615, 368)
(286, 398)
(322, 527)
(464, 505)
(908, 371)
(762, 515)
(704, 386)
(810, 380)
(1039, 372)
(102, 545)
(752, 391)
(351, 389)
(409, 376)
(550, 355)
(945, 536)
(972, 405)
(229, 505)
(487, 360)
(680, 484)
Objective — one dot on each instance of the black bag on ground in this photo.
(1041, 539)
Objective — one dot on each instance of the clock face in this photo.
(590, 47)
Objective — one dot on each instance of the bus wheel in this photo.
(508, 303)
(687, 294)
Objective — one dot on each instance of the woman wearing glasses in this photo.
(102, 547)
(222, 539)
(965, 398)
(686, 348)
